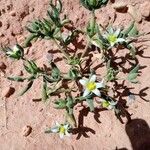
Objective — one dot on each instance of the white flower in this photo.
(91, 86)
(108, 104)
(16, 52)
(62, 129)
(113, 37)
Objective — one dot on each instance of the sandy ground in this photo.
(99, 131)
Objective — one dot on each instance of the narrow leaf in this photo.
(18, 79)
(29, 85)
(135, 69)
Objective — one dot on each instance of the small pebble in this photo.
(12, 13)
(1, 23)
(136, 106)
(145, 9)
(26, 130)
(120, 5)
(2, 66)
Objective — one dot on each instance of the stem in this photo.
(85, 49)
(93, 28)
(93, 21)
(62, 50)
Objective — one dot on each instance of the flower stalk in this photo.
(62, 50)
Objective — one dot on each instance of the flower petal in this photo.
(93, 78)
(86, 92)
(67, 134)
(55, 129)
(112, 44)
(57, 124)
(83, 81)
(9, 53)
(105, 35)
(100, 85)
(61, 135)
(113, 103)
(66, 126)
(120, 40)
(96, 92)
(111, 30)
(117, 32)
(110, 107)
(15, 48)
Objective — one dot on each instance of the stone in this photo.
(145, 9)
(120, 5)
(2, 66)
(12, 13)
(26, 130)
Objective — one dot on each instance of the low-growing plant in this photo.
(81, 82)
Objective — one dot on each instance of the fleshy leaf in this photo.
(91, 104)
(133, 75)
(131, 31)
(55, 72)
(18, 79)
(60, 104)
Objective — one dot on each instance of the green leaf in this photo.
(49, 79)
(93, 4)
(111, 73)
(18, 79)
(132, 50)
(29, 40)
(91, 104)
(54, 16)
(59, 6)
(31, 67)
(70, 105)
(95, 40)
(60, 104)
(133, 75)
(129, 28)
(73, 73)
(131, 31)
(71, 119)
(29, 85)
(91, 27)
(55, 72)
(135, 69)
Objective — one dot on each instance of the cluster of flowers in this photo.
(51, 28)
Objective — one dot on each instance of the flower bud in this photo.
(93, 4)
(16, 52)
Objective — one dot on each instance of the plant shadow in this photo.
(81, 130)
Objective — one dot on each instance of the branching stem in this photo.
(62, 50)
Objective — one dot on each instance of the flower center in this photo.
(91, 86)
(112, 38)
(62, 129)
(105, 104)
